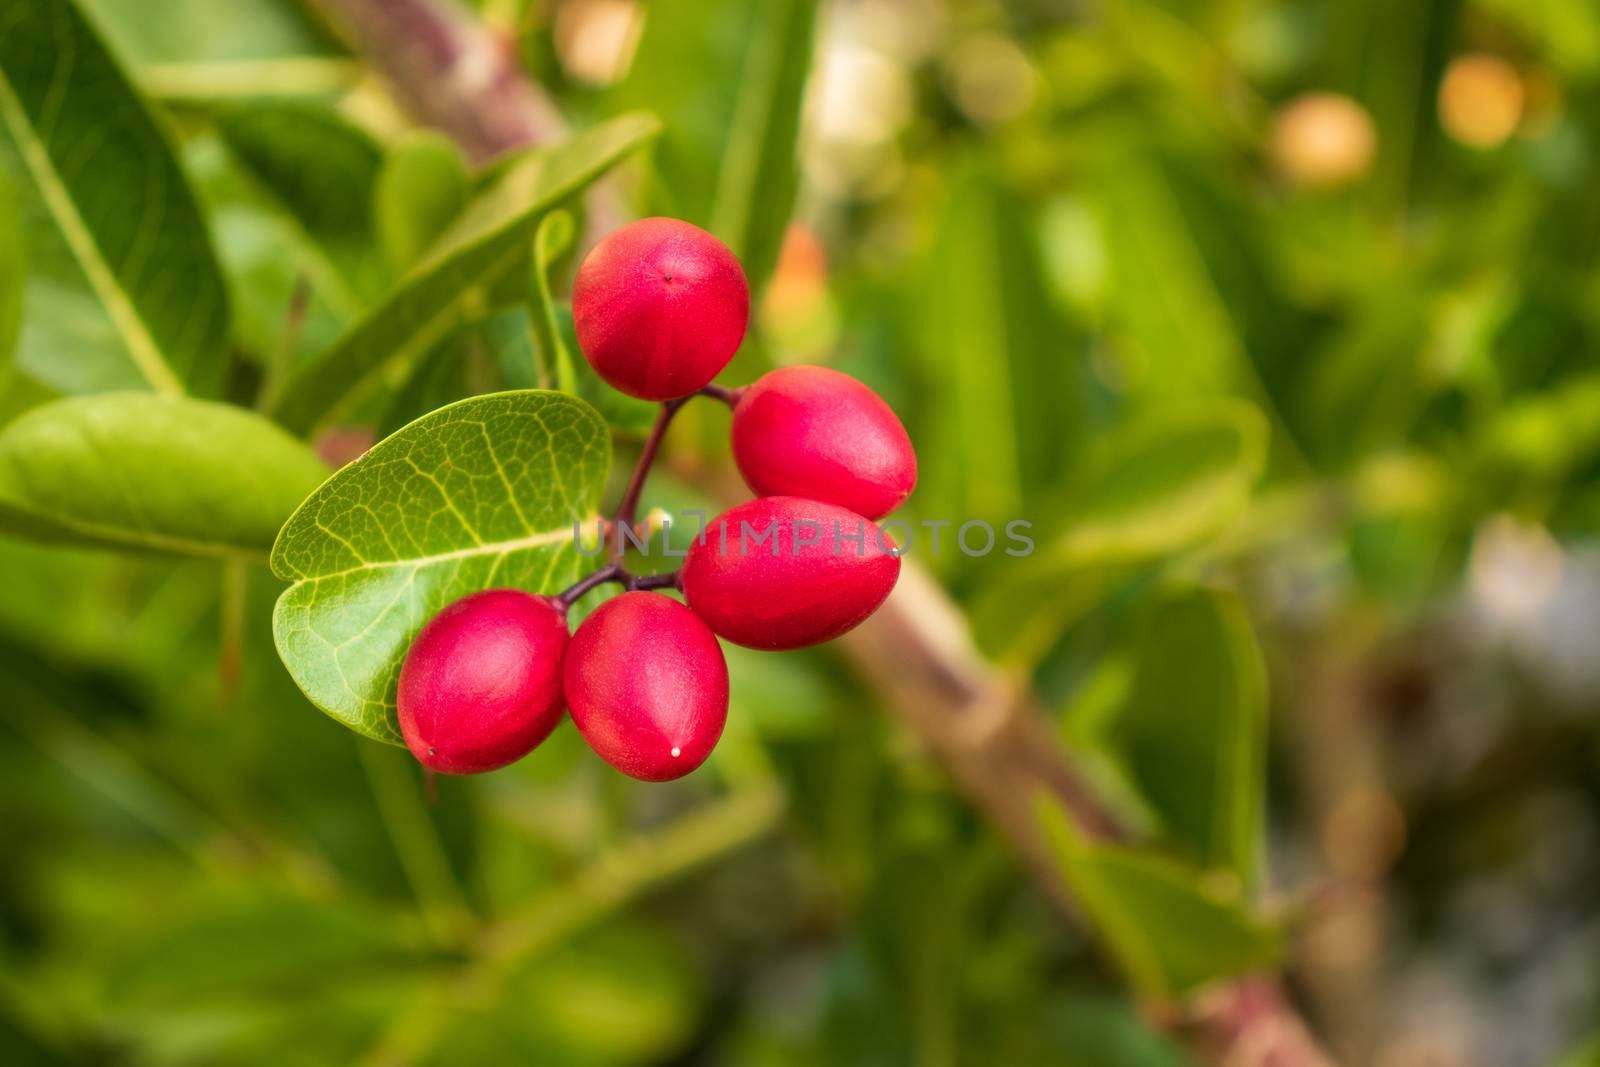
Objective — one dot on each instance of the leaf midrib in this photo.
(536, 539)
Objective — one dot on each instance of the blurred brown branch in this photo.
(450, 72)
(917, 651)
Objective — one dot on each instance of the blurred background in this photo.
(1279, 321)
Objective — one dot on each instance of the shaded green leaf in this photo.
(1193, 733)
(320, 170)
(479, 494)
(487, 356)
(1168, 930)
(143, 471)
(422, 186)
(489, 239)
(107, 173)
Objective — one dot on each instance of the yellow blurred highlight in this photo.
(596, 39)
(990, 79)
(1481, 100)
(1323, 139)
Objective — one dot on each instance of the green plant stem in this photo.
(281, 359)
(416, 844)
(233, 603)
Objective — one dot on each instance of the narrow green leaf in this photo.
(479, 494)
(1170, 931)
(147, 472)
(759, 178)
(553, 238)
(422, 186)
(320, 171)
(1193, 733)
(241, 32)
(489, 239)
(107, 173)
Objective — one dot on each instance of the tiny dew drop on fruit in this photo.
(481, 684)
(781, 572)
(660, 306)
(817, 433)
(648, 686)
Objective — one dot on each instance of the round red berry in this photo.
(781, 572)
(660, 307)
(648, 686)
(816, 433)
(481, 684)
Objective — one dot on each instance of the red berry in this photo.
(481, 685)
(817, 571)
(816, 433)
(660, 307)
(648, 686)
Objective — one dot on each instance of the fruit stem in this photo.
(611, 572)
(670, 580)
(629, 506)
(615, 572)
(728, 396)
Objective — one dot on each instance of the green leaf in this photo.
(1193, 733)
(106, 171)
(1170, 931)
(422, 186)
(223, 37)
(479, 494)
(759, 177)
(148, 472)
(489, 239)
(319, 170)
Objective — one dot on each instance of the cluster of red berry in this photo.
(660, 308)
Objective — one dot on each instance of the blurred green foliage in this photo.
(1298, 392)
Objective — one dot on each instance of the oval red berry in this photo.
(481, 684)
(660, 306)
(648, 686)
(781, 572)
(817, 433)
